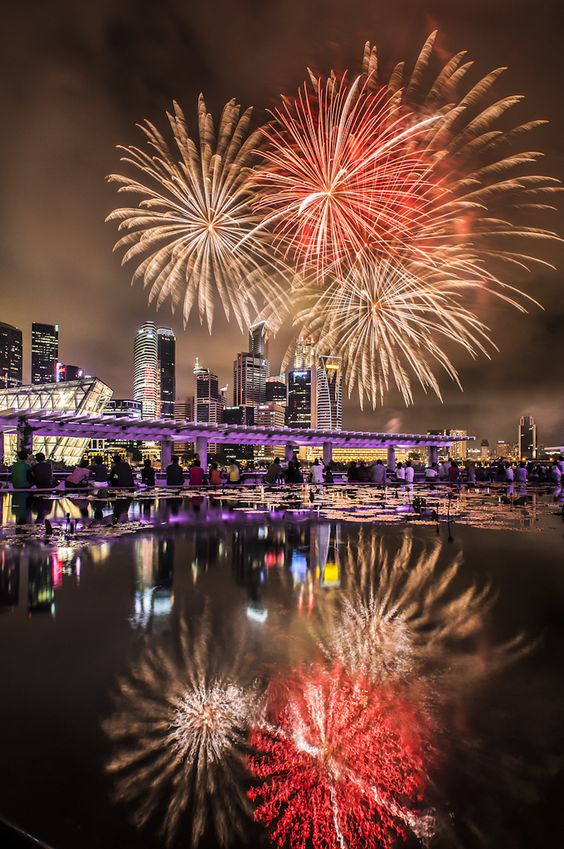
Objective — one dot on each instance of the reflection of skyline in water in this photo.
(392, 611)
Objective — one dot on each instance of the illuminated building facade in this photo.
(11, 356)
(527, 444)
(501, 449)
(44, 352)
(64, 373)
(166, 358)
(89, 395)
(208, 400)
(183, 411)
(145, 364)
(302, 398)
(329, 393)
(241, 415)
(276, 390)
(458, 450)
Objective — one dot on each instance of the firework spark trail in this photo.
(187, 233)
(179, 729)
(340, 762)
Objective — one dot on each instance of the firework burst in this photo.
(342, 174)
(387, 324)
(192, 233)
(405, 204)
(341, 764)
(179, 729)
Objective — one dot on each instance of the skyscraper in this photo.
(208, 404)
(301, 410)
(258, 340)
(304, 355)
(251, 369)
(146, 375)
(527, 442)
(244, 415)
(11, 355)
(276, 389)
(44, 352)
(329, 393)
(166, 355)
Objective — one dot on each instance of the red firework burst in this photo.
(342, 764)
(345, 169)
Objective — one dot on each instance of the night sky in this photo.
(77, 76)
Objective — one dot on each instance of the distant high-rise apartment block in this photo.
(458, 450)
(65, 372)
(258, 339)
(44, 352)
(527, 446)
(484, 450)
(11, 356)
(166, 356)
(329, 393)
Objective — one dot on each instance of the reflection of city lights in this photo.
(257, 614)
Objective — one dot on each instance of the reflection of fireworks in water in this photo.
(402, 613)
(180, 728)
(193, 213)
(343, 763)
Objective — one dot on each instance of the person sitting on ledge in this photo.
(352, 472)
(316, 471)
(275, 472)
(409, 472)
(233, 472)
(121, 474)
(174, 473)
(521, 473)
(196, 474)
(400, 472)
(99, 470)
(377, 473)
(148, 474)
(42, 473)
(79, 477)
(21, 471)
(215, 475)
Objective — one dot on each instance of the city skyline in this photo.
(72, 279)
(305, 353)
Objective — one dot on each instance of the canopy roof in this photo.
(88, 426)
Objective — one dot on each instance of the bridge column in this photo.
(327, 453)
(392, 458)
(433, 453)
(289, 452)
(202, 451)
(166, 453)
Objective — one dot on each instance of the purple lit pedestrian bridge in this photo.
(167, 432)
